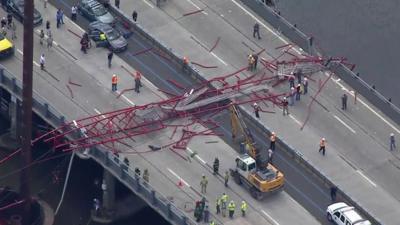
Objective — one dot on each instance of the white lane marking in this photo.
(368, 107)
(223, 62)
(197, 7)
(177, 176)
(345, 124)
(295, 120)
(269, 217)
(266, 27)
(147, 3)
(197, 156)
(20, 52)
(97, 111)
(127, 99)
(36, 64)
(365, 177)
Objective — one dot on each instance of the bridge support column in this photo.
(108, 188)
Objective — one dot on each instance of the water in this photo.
(47, 180)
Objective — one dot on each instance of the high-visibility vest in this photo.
(322, 143)
(218, 201)
(212, 223)
(114, 80)
(224, 198)
(231, 206)
(243, 207)
(102, 37)
(273, 137)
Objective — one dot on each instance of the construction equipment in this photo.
(252, 168)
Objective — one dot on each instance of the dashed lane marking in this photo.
(345, 124)
(269, 217)
(197, 7)
(222, 61)
(36, 64)
(19, 51)
(177, 176)
(295, 120)
(196, 156)
(127, 99)
(147, 3)
(366, 178)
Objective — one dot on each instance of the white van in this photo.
(342, 214)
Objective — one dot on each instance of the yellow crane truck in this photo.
(252, 169)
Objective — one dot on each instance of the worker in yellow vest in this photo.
(224, 200)
(231, 209)
(243, 208)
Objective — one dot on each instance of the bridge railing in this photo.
(121, 171)
(306, 43)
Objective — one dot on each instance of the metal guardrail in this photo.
(153, 198)
(306, 42)
(300, 39)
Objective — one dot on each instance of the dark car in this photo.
(94, 11)
(114, 40)
(16, 7)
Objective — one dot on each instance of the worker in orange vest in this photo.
(185, 63)
(272, 139)
(322, 145)
(114, 82)
(138, 84)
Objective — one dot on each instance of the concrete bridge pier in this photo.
(107, 210)
(11, 140)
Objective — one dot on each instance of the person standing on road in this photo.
(49, 42)
(58, 18)
(243, 208)
(272, 140)
(392, 142)
(231, 209)
(224, 200)
(74, 12)
(285, 106)
(62, 16)
(13, 31)
(134, 15)
(146, 176)
(109, 57)
(305, 85)
(344, 102)
(333, 193)
(114, 83)
(45, 3)
(41, 37)
(256, 30)
(9, 20)
(218, 205)
(322, 145)
(216, 166)
(256, 110)
(138, 82)
(42, 61)
(291, 96)
(255, 56)
(206, 214)
(203, 184)
(226, 178)
(117, 3)
(298, 92)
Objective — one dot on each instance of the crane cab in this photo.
(245, 165)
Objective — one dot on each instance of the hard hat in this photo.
(305, 78)
(255, 104)
(323, 139)
(114, 75)
(273, 133)
(298, 85)
(203, 175)
(284, 98)
(243, 202)
(292, 88)
(391, 134)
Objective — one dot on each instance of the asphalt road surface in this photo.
(307, 190)
(364, 31)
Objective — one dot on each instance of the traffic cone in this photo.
(180, 183)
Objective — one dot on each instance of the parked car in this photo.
(342, 214)
(16, 7)
(114, 40)
(94, 11)
(6, 47)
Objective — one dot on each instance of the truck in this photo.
(253, 170)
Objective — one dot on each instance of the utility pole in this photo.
(27, 111)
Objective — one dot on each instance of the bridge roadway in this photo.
(65, 62)
(358, 159)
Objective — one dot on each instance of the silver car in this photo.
(94, 11)
(114, 40)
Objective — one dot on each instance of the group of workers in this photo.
(137, 79)
(252, 62)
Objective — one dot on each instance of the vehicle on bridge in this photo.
(253, 169)
(114, 40)
(16, 7)
(6, 47)
(94, 11)
(342, 214)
